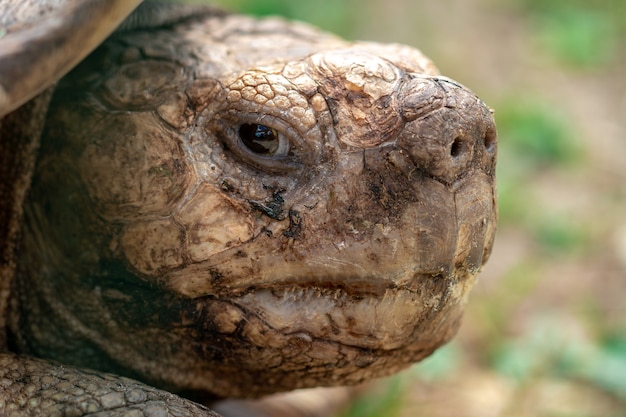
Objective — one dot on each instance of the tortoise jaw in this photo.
(369, 322)
(387, 319)
(365, 311)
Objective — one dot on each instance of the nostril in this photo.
(489, 141)
(457, 148)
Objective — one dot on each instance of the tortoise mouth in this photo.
(365, 321)
(376, 317)
(343, 286)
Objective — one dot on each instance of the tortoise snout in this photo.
(448, 130)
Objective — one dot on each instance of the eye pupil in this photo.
(260, 139)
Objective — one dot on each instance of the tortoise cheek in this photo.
(139, 173)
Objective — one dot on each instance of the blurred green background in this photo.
(545, 329)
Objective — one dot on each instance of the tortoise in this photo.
(225, 206)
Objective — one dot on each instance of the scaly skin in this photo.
(162, 244)
(35, 387)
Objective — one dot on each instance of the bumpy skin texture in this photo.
(36, 387)
(161, 243)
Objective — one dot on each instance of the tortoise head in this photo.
(229, 199)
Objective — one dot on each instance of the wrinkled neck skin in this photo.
(160, 244)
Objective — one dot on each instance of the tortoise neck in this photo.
(19, 133)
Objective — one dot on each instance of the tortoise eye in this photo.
(266, 146)
(260, 139)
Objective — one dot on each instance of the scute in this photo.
(54, 35)
(214, 222)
